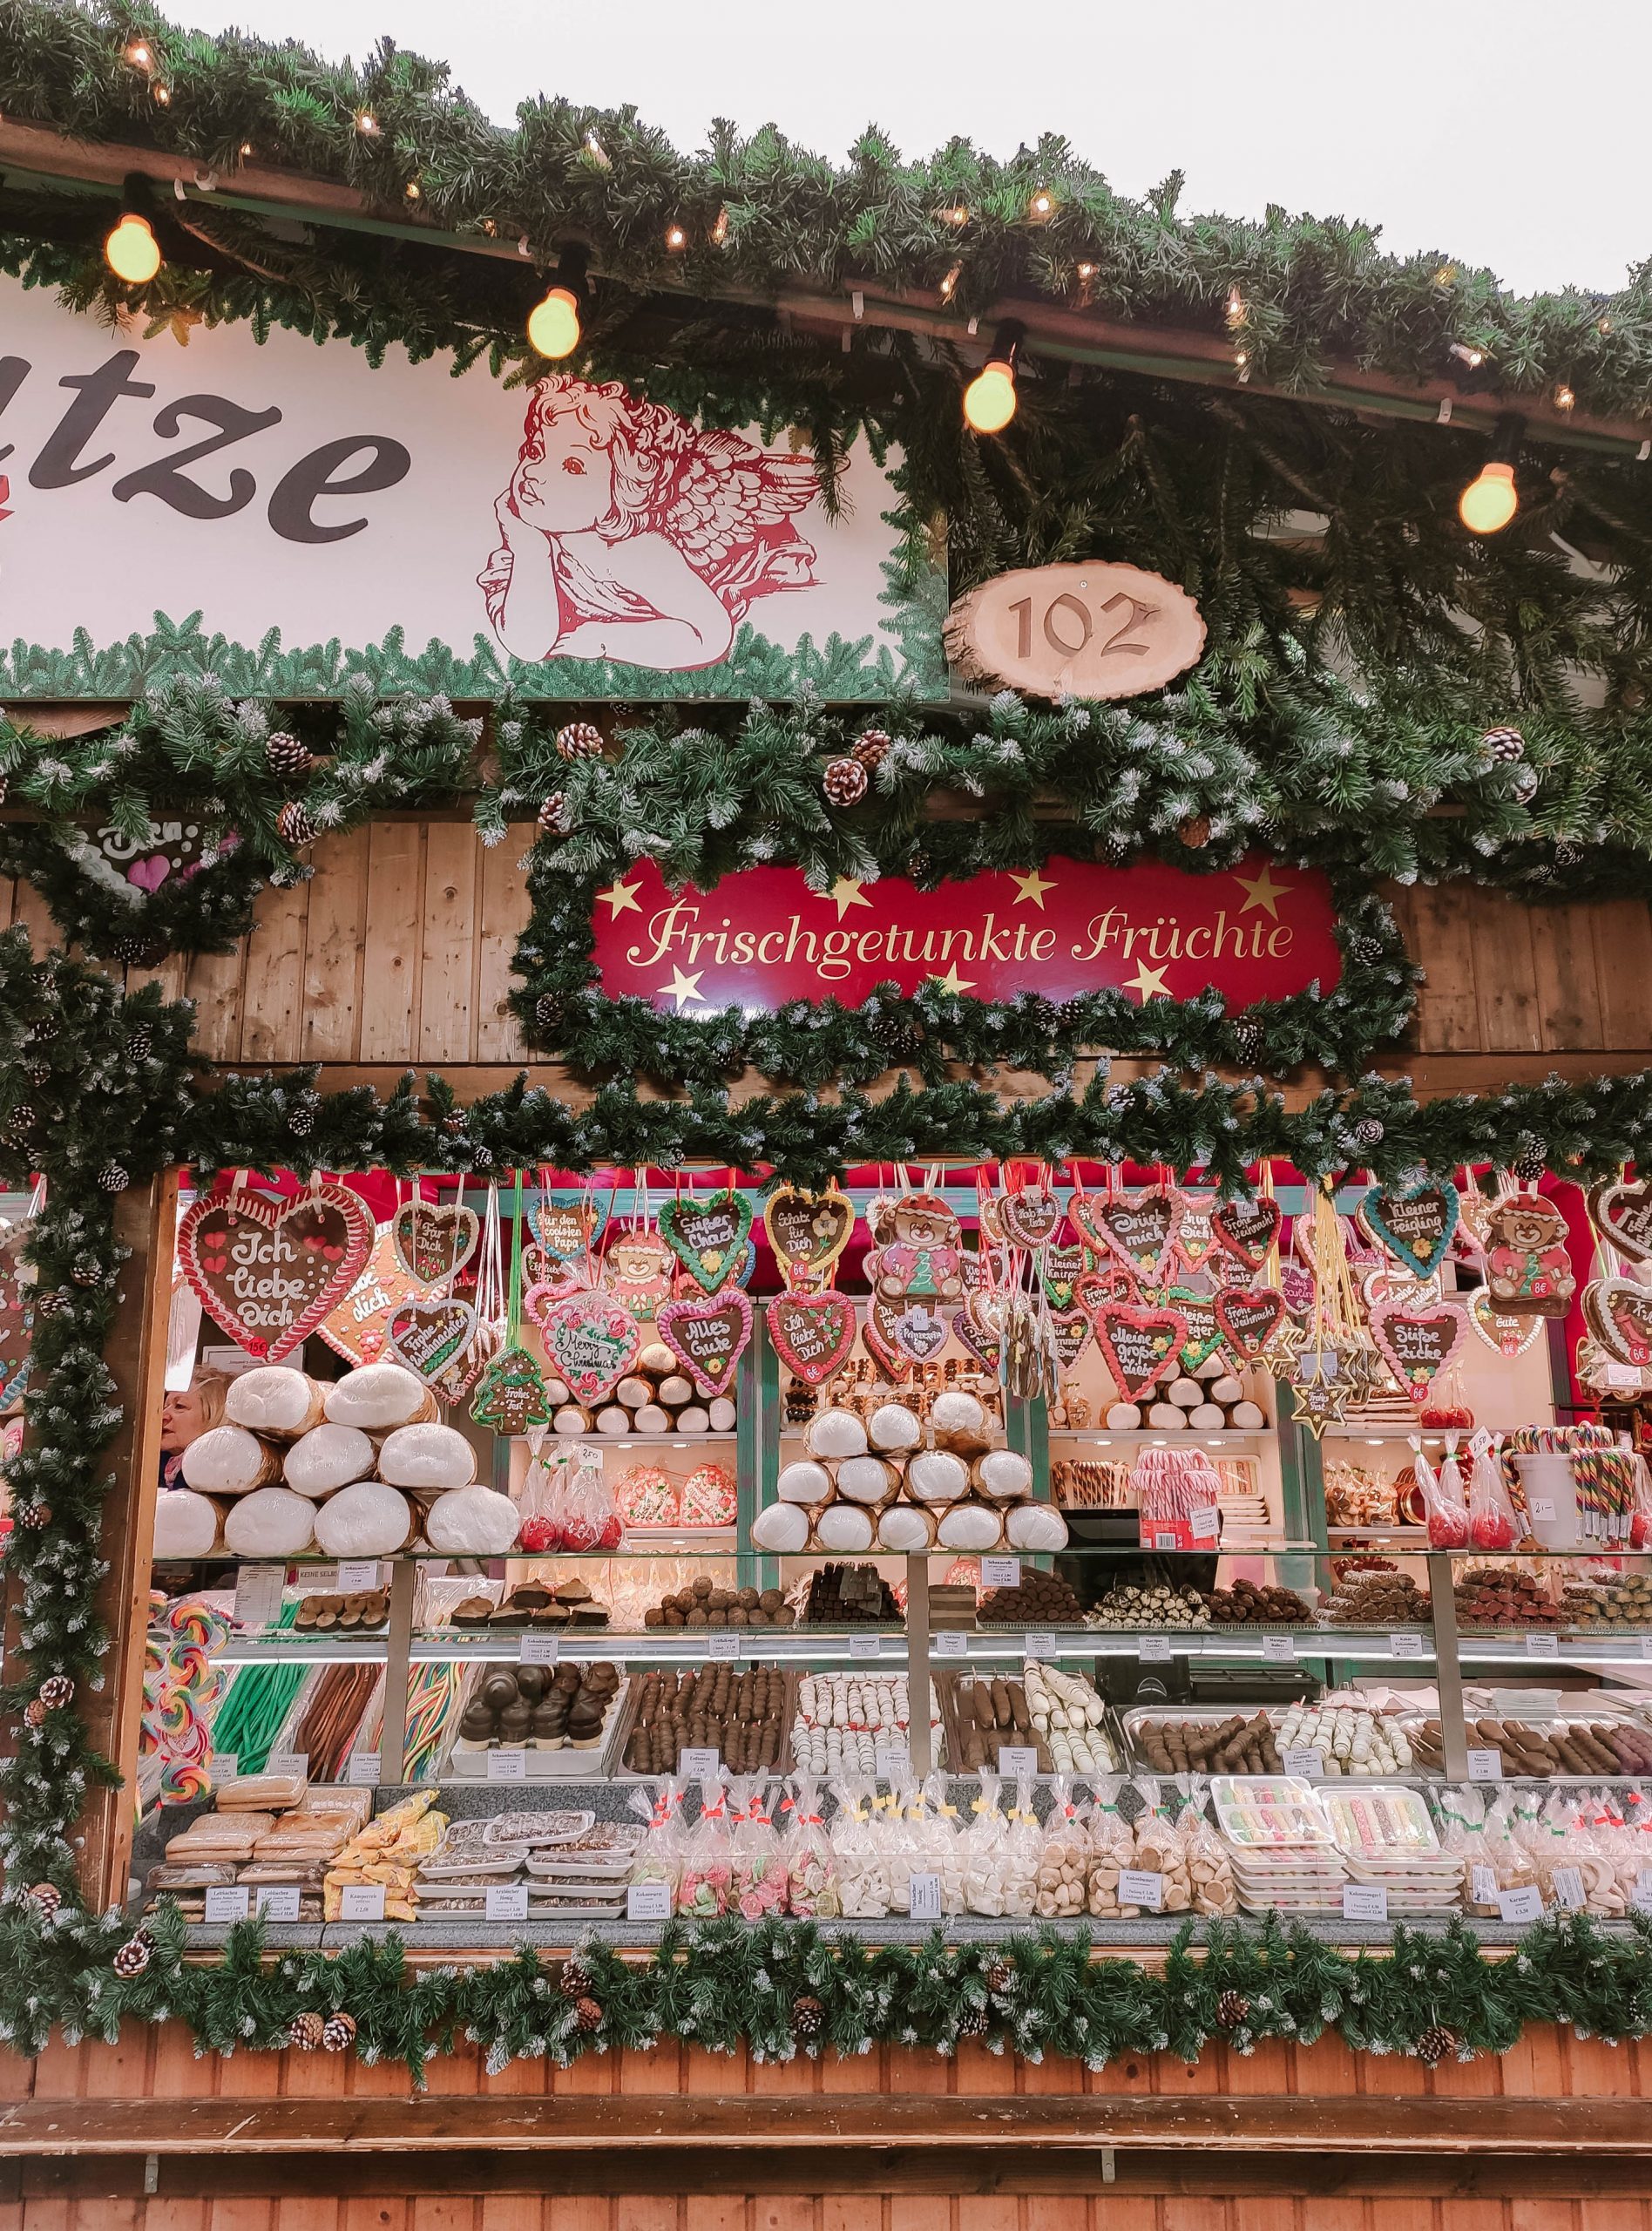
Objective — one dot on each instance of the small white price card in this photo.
(1017, 1759)
(363, 1769)
(355, 1574)
(228, 1902)
(924, 1897)
(1205, 1525)
(894, 1762)
(723, 1645)
(1000, 1572)
(1525, 1904)
(1542, 1646)
(1279, 1649)
(223, 1766)
(953, 1642)
(538, 1650)
(1307, 1765)
(1486, 1766)
(258, 1595)
(1403, 1645)
(1646, 1645)
(507, 1902)
(1154, 1650)
(866, 1645)
(699, 1766)
(1568, 1888)
(289, 1762)
(1542, 1506)
(361, 1902)
(508, 1765)
(1640, 1896)
(648, 1901)
(1483, 1886)
(1137, 1886)
(278, 1900)
(1043, 1646)
(1364, 1901)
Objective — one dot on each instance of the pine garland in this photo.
(1038, 1995)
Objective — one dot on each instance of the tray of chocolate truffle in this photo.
(558, 1719)
(922, 1469)
(656, 1401)
(566, 1607)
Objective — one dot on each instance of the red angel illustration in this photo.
(627, 533)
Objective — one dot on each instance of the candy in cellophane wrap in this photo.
(1443, 1498)
(1209, 1875)
(589, 1520)
(811, 1865)
(708, 1859)
(660, 1855)
(758, 1885)
(645, 1495)
(1112, 1846)
(937, 1845)
(861, 1855)
(1491, 1523)
(709, 1497)
(985, 1863)
(181, 1684)
(541, 1529)
(1065, 1852)
(1485, 1836)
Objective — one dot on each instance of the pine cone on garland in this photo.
(1365, 948)
(56, 1691)
(808, 2017)
(113, 1177)
(972, 2023)
(1233, 2010)
(294, 825)
(86, 1270)
(33, 1517)
(556, 817)
(20, 1123)
(304, 2032)
(587, 2015)
(50, 1301)
(550, 1011)
(845, 781)
(34, 1714)
(895, 1038)
(1196, 833)
(998, 1975)
(871, 747)
(46, 1898)
(287, 757)
(576, 1980)
(1531, 1162)
(300, 1120)
(1368, 1132)
(1250, 1040)
(338, 2033)
(139, 1045)
(137, 952)
(39, 1073)
(1500, 747)
(1435, 2044)
(132, 1957)
(918, 867)
(580, 740)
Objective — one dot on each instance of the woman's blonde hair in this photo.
(213, 1389)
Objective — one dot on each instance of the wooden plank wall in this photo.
(398, 951)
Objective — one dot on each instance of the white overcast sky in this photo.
(1509, 134)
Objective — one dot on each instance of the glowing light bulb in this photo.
(367, 124)
(676, 239)
(989, 400)
(1489, 503)
(1564, 398)
(949, 282)
(131, 251)
(1041, 204)
(553, 324)
(138, 55)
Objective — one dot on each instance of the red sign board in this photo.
(763, 937)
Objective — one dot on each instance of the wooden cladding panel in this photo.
(398, 951)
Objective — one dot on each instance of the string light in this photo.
(553, 324)
(410, 192)
(161, 95)
(1042, 205)
(719, 232)
(1446, 275)
(990, 398)
(1491, 500)
(1564, 398)
(1086, 272)
(676, 239)
(246, 149)
(951, 281)
(1603, 325)
(137, 52)
(957, 216)
(367, 124)
(1236, 312)
(1472, 357)
(130, 249)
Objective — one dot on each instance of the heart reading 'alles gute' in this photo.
(708, 1334)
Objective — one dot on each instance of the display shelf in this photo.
(1153, 1437)
(680, 1646)
(554, 1442)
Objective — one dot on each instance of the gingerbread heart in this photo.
(592, 1340)
(813, 1333)
(707, 1236)
(356, 1329)
(1622, 1213)
(1299, 1287)
(434, 1240)
(569, 1225)
(1205, 1334)
(1138, 1230)
(1093, 1289)
(708, 1334)
(1059, 1269)
(1415, 1227)
(1196, 1232)
(807, 1231)
(1030, 1217)
(980, 1327)
(1249, 1316)
(267, 1271)
(1510, 1336)
(879, 1345)
(1140, 1345)
(1619, 1314)
(1247, 1229)
(1070, 1332)
(1418, 1344)
(914, 1329)
(429, 1335)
